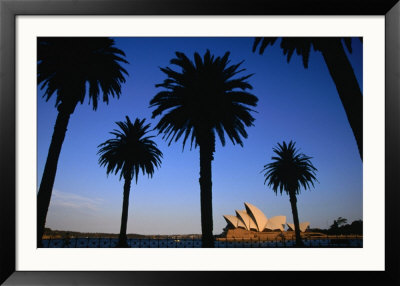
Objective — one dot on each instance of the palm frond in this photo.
(201, 95)
(290, 170)
(300, 45)
(131, 151)
(66, 65)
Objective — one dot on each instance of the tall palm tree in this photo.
(200, 100)
(289, 171)
(72, 68)
(129, 152)
(339, 68)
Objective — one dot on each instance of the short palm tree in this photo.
(200, 100)
(130, 152)
(72, 68)
(339, 68)
(289, 171)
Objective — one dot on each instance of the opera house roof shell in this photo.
(303, 226)
(252, 218)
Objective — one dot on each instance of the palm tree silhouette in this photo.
(130, 152)
(339, 68)
(200, 100)
(288, 172)
(67, 67)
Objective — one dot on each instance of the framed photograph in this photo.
(236, 138)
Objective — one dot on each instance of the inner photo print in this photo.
(191, 142)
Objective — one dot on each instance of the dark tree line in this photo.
(338, 228)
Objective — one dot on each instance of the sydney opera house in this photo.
(253, 219)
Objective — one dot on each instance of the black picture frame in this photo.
(9, 9)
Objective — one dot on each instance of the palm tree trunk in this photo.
(50, 169)
(206, 157)
(293, 202)
(122, 240)
(347, 86)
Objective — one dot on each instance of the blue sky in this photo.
(294, 104)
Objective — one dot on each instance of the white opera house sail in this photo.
(253, 219)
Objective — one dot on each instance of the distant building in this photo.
(253, 219)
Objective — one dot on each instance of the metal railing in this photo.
(330, 241)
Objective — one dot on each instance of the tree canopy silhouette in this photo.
(290, 171)
(339, 68)
(200, 100)
(73, 68)
(130, 152)
(340, 226)
(341, 221)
